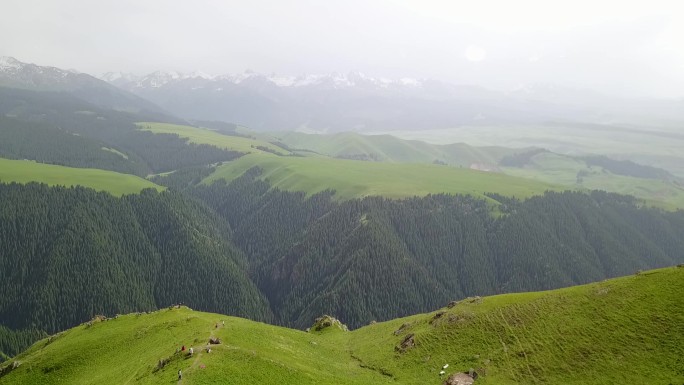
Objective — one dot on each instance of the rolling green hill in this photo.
(199, 135)
(387, 148)
(23, 171)
(349, 178)
(396, 168)
(625, 330)
(576, 173)
(354, 178)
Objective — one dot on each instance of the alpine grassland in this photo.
(354, 178)
(24, 171)
(576, 173)
(624, 330)
(200, 135)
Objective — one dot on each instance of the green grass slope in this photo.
(625, 330)
(206, 136)
(564, 170)
(387, 148)
(350, 178)
(24, 171)
(353, 179)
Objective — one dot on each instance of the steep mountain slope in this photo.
(16, 74)
(626, 330)
(48, 144)
(375, 258)
(147, 153)
(69, 254)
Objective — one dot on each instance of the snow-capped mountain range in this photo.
(16, 73)
(161, 78)
(335, 102)
(32, 77)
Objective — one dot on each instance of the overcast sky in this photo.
(621, 47)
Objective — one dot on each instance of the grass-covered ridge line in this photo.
(24, 171)
(625, 330)
(576, 173)
(349, 178)
(388, 148)
(200, 135)
(354, 179)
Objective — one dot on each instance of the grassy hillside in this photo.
(352, 178)
(664, 147)
(625, 330)
(23, 171)
(387, 148)
(574, 172)
(206, 136)
(400, 168)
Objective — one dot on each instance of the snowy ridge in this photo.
(334, 80)
(9, 63)
(17, 73)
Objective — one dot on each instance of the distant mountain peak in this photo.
(8, 62)
(33, 77)
(159, 79)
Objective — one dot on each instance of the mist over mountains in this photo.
(340, 102)
(353, 101)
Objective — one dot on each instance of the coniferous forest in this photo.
(67, 254)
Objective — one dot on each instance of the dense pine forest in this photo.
(378, 258)
(67, 254)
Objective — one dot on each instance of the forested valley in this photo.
(243, 248)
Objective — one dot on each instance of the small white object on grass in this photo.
(441, 373)
(445, 366)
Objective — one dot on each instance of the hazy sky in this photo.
(621, 47)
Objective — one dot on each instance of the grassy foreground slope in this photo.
(353, 178)
(24, 171)
(625, 330)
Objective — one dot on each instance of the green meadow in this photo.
(353, 179)
(206, 136)
(25, 171)
(563, 170)
(405, 167)
(387, 148)
(624, 330)
(349, 178)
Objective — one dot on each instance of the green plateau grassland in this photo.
(406, 169)
(199, 135)
(387, 148)
(354, 179)
(664, 147)
(350, 178)
(562, 170)
(25, 171)
(628, 330)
